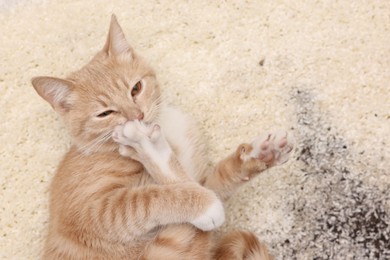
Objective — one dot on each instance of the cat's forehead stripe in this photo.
(103, 100)
(121, 84)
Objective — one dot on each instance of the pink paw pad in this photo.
(273, 148)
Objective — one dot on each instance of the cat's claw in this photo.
(273, 148)
(212, 218)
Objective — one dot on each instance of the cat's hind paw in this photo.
(272, 148)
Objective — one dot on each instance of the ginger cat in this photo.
(135, 183)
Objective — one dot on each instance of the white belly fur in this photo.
(179, 130)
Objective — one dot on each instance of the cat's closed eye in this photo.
(105, 113)
(136, 89)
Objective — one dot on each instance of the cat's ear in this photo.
(116, 43)
(55, 91)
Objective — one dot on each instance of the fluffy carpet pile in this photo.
(318, 68)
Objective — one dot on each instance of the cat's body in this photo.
(80, 177)
(136, 183)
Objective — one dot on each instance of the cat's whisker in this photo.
(100, 142)
(155, 107)
(97, 142)
(155, 104)
(103, 140)
(94, 146)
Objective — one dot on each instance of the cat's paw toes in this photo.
(273, 148)
(212, 218)
(134, 132)
(117, 134)
(155, 133)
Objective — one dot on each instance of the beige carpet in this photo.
(319, 68)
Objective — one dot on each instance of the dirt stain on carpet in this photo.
(338, 216)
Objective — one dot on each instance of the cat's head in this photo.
(114, 87)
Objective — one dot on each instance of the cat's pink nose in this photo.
(140, 116)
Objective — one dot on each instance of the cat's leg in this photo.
(147, 144)
(153, 151)
(240, 245)
(268, 150)
(185, 242)
(178, 242)
(122, 214)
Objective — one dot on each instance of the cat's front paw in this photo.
(127, 151)
(273, 148)
(212, 218)
(136, 133)
(143, 142)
